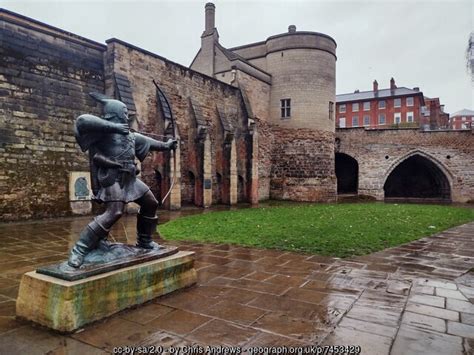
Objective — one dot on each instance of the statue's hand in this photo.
(122, 128)
(172, 144)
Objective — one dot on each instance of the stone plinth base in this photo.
(68, 305)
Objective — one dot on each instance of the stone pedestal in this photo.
(68, 305)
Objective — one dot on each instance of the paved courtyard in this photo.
(417, 298)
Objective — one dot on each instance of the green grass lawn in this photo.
(340, 230)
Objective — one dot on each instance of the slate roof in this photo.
(124, 91)
(369, 95)
(234, 56)
(226, 124)
(463, 112)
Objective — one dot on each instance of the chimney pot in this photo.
(392, 84)
(291, 29)
(376, 86)
(416, 88)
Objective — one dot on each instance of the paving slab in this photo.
(433, 311)
(464, 330)
(370, 344)
(424, 321)
(416, 341)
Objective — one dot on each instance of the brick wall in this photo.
(378, 152)
(45, 78)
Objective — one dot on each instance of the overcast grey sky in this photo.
(419, 43)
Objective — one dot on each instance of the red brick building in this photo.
(462, 119)
(433, 115)
(380, 107)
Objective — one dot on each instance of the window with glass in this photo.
(285, 108)
(382, 104)
(355, 121)
(397, 118)
(342, 108)
(366, 120)
(342, 122)
(367, 106)
(355, 107)
(409, 116)
(397, 103)
(409, 101)
(382, 118)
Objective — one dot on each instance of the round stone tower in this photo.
(303, 69)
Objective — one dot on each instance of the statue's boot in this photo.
(146, 226)
(88, 241)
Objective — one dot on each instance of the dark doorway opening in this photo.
(417, 177)
(241, 189)
(347, 174)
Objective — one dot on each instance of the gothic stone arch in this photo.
(417, 175)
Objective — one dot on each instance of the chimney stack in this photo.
(210, 17)
(376, 86)
(392, 84)
(291, 29)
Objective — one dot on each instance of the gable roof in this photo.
(369, 95)
(234, 56)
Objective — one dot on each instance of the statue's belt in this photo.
(127, 166)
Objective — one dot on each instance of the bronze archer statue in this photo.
(112, 150)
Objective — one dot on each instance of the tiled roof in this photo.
(368, 95)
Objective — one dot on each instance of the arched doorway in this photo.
(417, 177)
(347, 174)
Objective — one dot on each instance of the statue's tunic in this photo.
(121, 184)
(108, 151)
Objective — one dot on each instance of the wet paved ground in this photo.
(414, 299)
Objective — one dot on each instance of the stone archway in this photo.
(417, 177)
(347, 174)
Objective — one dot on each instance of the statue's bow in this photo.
(168, 113)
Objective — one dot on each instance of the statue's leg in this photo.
(147, 221)
(95, 231)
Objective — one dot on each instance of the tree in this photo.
(470, 56)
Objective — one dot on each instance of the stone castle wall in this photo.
(378, 152)
(209, 96)
(303, 165)
(45, 77)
